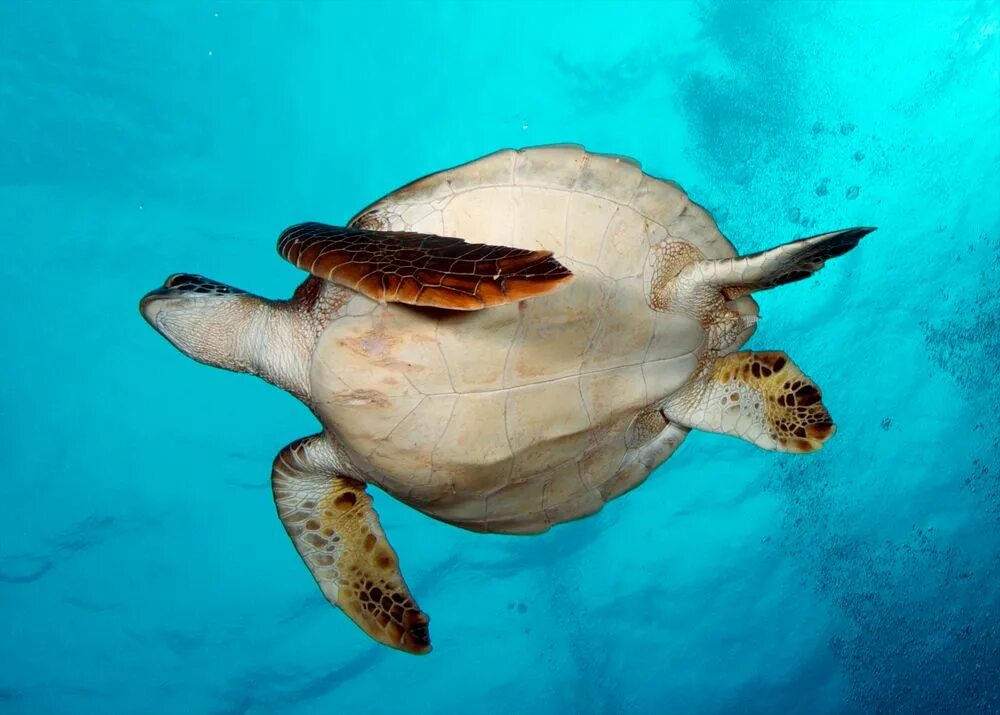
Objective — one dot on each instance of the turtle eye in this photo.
(183, 280)
(191, 283)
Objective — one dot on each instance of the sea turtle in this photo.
(505, 345)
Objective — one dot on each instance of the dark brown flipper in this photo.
(421, 268)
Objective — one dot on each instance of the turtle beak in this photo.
(152, 303)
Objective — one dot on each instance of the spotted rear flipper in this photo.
(337, 533)
(761, 397)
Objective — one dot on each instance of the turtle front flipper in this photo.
(762, 397)
(336, 531)
(421, 268)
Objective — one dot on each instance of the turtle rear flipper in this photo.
(698, 282)
(784, 264)
(762, 397)
(759, 396)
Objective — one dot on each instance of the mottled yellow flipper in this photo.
(337, 533)
(759, 396)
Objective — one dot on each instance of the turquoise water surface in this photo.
(142, 568)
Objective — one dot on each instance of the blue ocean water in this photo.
(142, 568)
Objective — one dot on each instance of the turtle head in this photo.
(202, 318)
(226, 327)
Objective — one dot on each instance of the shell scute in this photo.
(529, 419)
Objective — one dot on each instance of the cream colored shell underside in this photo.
(516, 415)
